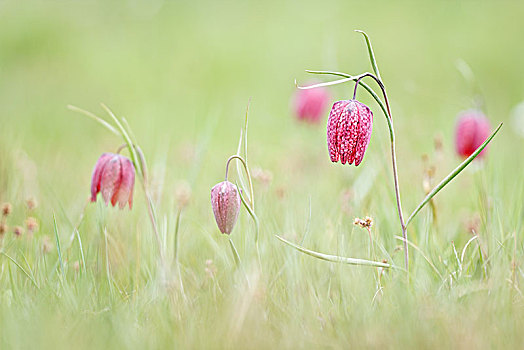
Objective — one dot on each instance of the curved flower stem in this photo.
(387, 112)
(248, 174)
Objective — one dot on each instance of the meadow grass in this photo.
(182, 75)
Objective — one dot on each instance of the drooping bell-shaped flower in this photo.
(472, 129)
(225, 201)
(114, 177)
(310, 104)
(348, 131)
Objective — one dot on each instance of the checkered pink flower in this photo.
(225, 202)
(472, 129)
(114, 177)
(310, 104)
(349, 131)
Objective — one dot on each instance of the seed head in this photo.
(7, 208)
(31, 224)
(364, 223)
(18, 230)
(31, 203)
(225, 202)
(114, 177)
(310, 104)
(348, 131)
(3, 228)
(472, 129)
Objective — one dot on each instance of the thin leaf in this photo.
(371, 53)
(21, 269)
(95, 118)
(235, 253)
(364, 85)
(337, 259)
(58, 245)
(126, 137)
(423, 255)
(452, 175)
(251, 213)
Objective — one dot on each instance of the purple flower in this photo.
(348, 131)
(114, 177)
(225, 201)
(472, 129)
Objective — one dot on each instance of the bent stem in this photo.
(387, 113)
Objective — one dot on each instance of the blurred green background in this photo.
(183, 73)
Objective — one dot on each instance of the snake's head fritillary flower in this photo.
(225, 201)
(348, 131)
(114, 177)
(472, 129)
(310, 104)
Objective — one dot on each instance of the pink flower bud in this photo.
(225, 201)
(472, 129)
(348, 131)
(310, 104)
(114, 177)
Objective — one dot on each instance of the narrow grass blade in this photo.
(126, 137)
(335, 258)
(235, 253)
(21, 269)
(452, 175)
(58, 248)
(371, 53)
(81, 251)
(251, 213)
(423, 255)
(95, 118)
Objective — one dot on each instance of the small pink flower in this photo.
(310, 104)
(348, 131)
(114, 177)
(472, 129)
(225, 201)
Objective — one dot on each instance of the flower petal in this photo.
(97, 174)
(111, 178)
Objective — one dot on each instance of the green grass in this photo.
(182, 76)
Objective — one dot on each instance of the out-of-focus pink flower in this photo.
(225, 202)
(114, 177)
(472, 129)
(348, 131)
(311, 104)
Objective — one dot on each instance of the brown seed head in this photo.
(31, 203)
(31, 224)
(18, 230)
(7, 208)
(3, 228)
(364, 223)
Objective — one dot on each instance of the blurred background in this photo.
(183, 73)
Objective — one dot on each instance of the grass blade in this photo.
(452, 175)
(21, 269)
(58, 245)
(335, 258)
(95, 118)
(371, 53)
